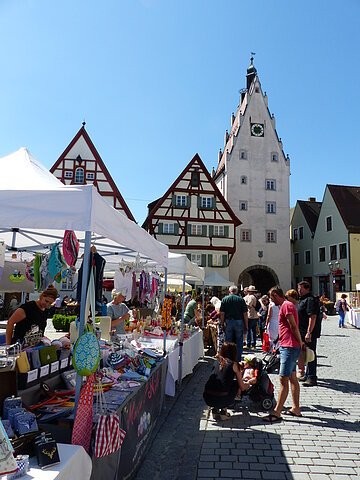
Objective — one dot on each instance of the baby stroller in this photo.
(263, 390)
(272, 358)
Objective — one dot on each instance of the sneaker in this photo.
(224, 415)
(310, 382)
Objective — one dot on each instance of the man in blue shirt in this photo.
(234, 318)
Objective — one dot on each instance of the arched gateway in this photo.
(259, 275)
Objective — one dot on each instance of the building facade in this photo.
(253, 175)
(193, 218)
(80, 164)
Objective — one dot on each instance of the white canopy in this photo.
(34, 199)
(214, 279)
(179, 264)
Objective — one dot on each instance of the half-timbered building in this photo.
(194, 218)
(80, 163)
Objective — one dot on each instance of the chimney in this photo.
(312, 199)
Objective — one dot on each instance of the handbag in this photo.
(22, 363)
(86, 354)
(70, 247)
(46, 450)
(81, 434)
(265, 342)
(35, 358)
(109, 436)
(48, 355)
(13, 412)
(9, 403)
(7, 461)
(25, 422)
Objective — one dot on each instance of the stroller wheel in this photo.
(267, 403)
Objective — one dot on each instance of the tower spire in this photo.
(251, 72)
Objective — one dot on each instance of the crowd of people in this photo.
(292, 322)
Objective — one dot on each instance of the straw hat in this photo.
(309, 356)
(251, 288)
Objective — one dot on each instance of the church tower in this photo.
(253, 175)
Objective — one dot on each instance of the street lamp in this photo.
(333, 267)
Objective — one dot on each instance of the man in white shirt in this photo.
(251, 301)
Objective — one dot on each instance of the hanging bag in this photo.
(109, 436)
(265, 342)
(81, 434)
(86, 355)
(70, 247)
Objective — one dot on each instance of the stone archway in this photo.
(259, 275)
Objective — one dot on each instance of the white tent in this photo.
(214, 279)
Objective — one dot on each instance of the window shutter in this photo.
(209, 260)
(211, 230)
(213, 202)
(189, 229)
(188, 201)
(176, 229)
(160, 228)
(204, 230)
(199, 201)
(173, 200)
(226, 231)
(224, 260)
(203, 260)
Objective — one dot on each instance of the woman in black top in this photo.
(223, 384)
(30, 319)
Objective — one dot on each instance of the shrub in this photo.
(62, 322)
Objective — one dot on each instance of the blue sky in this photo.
(157, 80)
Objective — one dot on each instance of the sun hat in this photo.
(251, 288)
(309, 356)
(115, 293)
(249, 358)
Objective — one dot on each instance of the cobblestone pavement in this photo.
(324, 444)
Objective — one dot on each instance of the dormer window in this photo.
(79, 175)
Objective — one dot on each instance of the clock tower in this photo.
(253, 175)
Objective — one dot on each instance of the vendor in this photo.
(118, 311)
(30, 319)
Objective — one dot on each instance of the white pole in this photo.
(181, 341)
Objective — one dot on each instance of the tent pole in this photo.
(203, 305)
(165, 289)
(181, 342)
(84, 285)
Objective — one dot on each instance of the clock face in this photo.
(257, 129)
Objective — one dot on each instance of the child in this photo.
(248, 374)
(224, 383)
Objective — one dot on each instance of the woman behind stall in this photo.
(30, 319)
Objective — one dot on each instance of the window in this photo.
(301, 233)
(307, 257)
(270, 236)
(181, 201)
(274, 157)
(196, 229)
(169, 228)
(343, 250)
(243, 155)
(270, 184)
(295, 234)
(296, 259)
(79, 175)
(270, 207)
(90, 176)
(217, 260)
(328, 224)
(196, 258)
(245, 235)
(206, 202)
(243, 180)
(333, 252)
(68, 174)
(219, 231)
(243, 205)
(322, 254)
(195, 179)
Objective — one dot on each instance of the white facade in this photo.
(253, 175)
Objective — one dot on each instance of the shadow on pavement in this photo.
(339, 385)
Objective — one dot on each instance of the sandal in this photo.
(272, 418)
(290, 413)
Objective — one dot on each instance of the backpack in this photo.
(338, 306)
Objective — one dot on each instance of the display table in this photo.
(353, 317)
(75, 463)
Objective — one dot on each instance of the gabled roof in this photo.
(153, 206)
(83, 133)
(311, 212)
(347, 200)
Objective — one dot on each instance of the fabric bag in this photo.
(70, 247)
(109, 436)
(86, 354)
(48, 355)
(266, 342)
(9, 403)
(22, 363)
(35, 358)
(55, 264)
(7, 461)
(81, 434)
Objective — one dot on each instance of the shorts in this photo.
(288, 358)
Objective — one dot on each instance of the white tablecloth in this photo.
(353, 317)
(75, 464)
